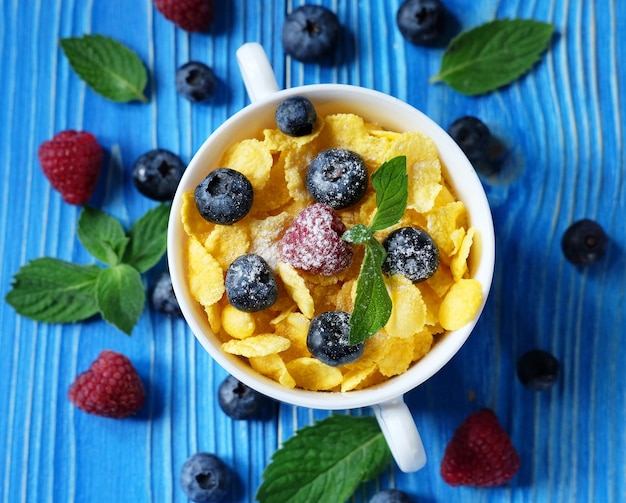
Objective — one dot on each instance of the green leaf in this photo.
(325, 462)
(55, 291)
(121, 296)
(148, 239)
(493, 55)
(102, 235)
(372, 305)
(391, 183)
(358, 234)
(109, 67)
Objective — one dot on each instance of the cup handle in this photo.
(398, 427)
(256, 71)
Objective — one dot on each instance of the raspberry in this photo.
(313, 241)
(110, 388)
(190, 15)
(72, 162)
(480, 453)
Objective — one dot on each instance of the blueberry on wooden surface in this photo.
(205, 478)
(195, 81)
(237, 400)
(156, 174)
(584, 242)
(538, 370)
(390, 496)
(296, 116)
(473, 136)
(421, 22)
(224, 197)
(163, 298)
(310, 33)
(328, 339)
(412, 253)
(250, 284)
(337, 177)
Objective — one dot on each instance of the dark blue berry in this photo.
(337, 177)
(412, 253)
(237, 400)
(224, 197)
(421, 22)
(195, 81)
(390, 496)
(205, 478)
(163, 298)
(473, 136)
(250, 284)
(538, 370)
(584, 242)
(328, 339)
(296, 116)
(310, 33)
(156, 174)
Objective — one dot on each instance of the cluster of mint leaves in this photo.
(372, 305)
(55, 291)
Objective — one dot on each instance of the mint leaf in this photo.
(391, 183)
(372, 305)
(121, 296)
(493, 55)
(358, 234)
(109, 67)
(54, 291)
(148, 239)
(102, 235)
(325, 462)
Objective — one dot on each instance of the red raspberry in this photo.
(313, 241)
(72, 162)
(110, 388)
(190, 15)
(480, 453)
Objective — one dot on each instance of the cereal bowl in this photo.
(389, 113)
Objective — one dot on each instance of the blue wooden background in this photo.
(562, 127)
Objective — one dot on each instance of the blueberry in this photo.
(584, 242)
(390, 496)
(163, 298)
(195, 81)
(412, 253)
(337, 177)
(473, 136)
(328, 339)
(224, 197)
(310, 33)
(237, 400)
(421, 22)
(156, 174)
(538, 370)
(205, 478)
(296, 116)
(250, 284)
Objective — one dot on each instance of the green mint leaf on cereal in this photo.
(326, 461)
(493, 55)
(54, 291)
(121, 296)
(359, 234)
(109, 67)
(148, 239)
(372, 305)
(391, 183)
(102, 235)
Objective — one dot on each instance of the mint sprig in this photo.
(109, 67)
(55, 291)
(493, 54)
(326, 461)
(372, 305)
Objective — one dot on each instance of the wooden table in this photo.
(562, 126)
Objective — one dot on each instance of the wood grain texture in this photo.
(562, 127)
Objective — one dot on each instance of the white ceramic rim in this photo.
(393, 114)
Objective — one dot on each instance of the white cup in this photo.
(386, 399)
